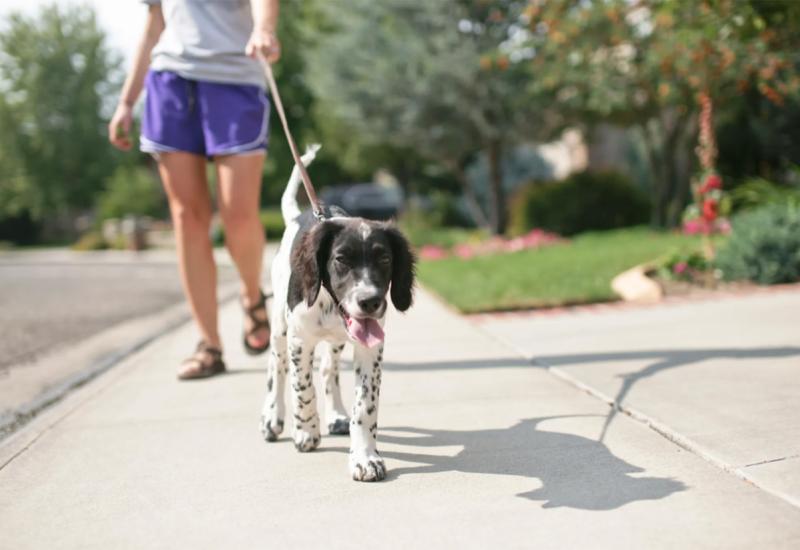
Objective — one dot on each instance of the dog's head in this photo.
(359, 262)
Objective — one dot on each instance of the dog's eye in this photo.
(341, 260)
(385, 259)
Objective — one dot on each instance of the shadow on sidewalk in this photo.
(663, 359)
(574, 471)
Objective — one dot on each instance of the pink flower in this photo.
(694, 226)
(723, 226)
(464, 251)
(680, 268)
(432, 252)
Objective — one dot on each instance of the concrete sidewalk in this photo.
(720, 377)
(483, 449)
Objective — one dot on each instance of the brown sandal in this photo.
(256, 324)
(206, 361)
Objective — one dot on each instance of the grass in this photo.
(577, 272)
(420, 235)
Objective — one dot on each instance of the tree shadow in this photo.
(574, 471)
(664, 359)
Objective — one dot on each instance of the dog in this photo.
(330, 281)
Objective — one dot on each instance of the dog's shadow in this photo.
(574, 471)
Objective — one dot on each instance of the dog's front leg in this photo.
(365, 462)
(304, 401)
(335, 413)
(273, 412)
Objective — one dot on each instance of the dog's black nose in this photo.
(370, 305)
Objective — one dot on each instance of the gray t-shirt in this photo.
(205, 40)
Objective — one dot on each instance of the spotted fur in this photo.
(311, 286)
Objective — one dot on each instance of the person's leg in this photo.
(238, 194)
(184, 178)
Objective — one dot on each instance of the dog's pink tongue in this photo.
(366, 331)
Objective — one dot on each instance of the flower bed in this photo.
(536, 238)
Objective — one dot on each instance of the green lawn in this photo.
(576, 272)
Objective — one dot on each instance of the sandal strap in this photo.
(258, 307)
(204, 347)
(260, 304)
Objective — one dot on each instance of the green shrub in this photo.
(272, 220)
(764, 245)
(92, 240)
(586, 201)
(757, 192)
(131, 190)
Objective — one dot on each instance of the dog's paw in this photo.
(305, 440)
(367, 467)
(271, 429)
(340, 426)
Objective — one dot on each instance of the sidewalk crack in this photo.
(771, 460)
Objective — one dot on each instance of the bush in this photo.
(272, 220)
(131, 190)
(764, 245)
(757, 192)
(583, 202)
(92, 240)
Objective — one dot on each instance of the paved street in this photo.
(64, 313)
(48, 301)
(485, 447)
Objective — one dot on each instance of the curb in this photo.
(158, 324)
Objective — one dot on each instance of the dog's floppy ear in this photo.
(310, 257)
(403, 270)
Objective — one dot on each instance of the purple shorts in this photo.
(204, 118)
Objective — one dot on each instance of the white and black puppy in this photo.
(331, 279)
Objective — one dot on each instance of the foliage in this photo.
(55, 71)
(755, 192)
(583, 202)
(272, 220)
(424, 76)
(764, 246)
(642, 64)
(578, 272)
(91, 240)
(685, 265)
(131, 190)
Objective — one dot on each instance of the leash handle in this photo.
(276, 99)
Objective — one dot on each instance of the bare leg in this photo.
(184, 178)
(239, 191)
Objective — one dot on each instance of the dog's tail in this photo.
(289, 206)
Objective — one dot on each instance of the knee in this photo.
(191, 218)
(241, 224)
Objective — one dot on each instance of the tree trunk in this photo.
(469, 196)
(668, 162)
(497, 200)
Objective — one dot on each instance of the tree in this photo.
(55, 73)
(432, 78)
(644, 64)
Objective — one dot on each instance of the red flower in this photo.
(710, 210)
(713, 181)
